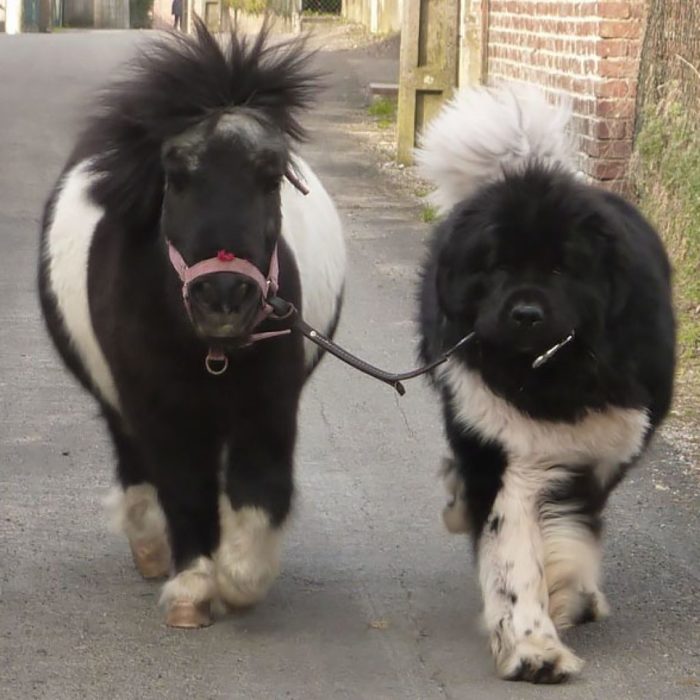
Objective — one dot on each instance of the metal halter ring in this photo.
(208, 363)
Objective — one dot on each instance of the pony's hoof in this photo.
(184, 614)
(151, 557)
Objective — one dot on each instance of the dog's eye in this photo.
(557, 271)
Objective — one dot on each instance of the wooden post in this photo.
(428, 73)
(472, 40)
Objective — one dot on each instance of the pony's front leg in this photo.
(254, 504)
(185, 465)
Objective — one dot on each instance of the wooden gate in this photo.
(429, 66)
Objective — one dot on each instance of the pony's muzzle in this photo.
(224, 304)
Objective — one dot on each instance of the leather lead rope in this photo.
(284, 310)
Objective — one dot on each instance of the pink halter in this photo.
(227, 262)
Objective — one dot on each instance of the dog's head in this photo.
(528, 260)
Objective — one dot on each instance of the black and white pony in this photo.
(178, 184)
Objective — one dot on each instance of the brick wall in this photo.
(585, 50)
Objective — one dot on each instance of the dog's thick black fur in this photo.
(601, 270)
(525, 260)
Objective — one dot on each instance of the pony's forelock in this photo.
(175, 83)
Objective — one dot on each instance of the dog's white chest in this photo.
(612, 436)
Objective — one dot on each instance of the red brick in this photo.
(619, 108)
(618, 68)
(620, 29)
(612, 48)
(609, 128)
(607, 169)
(613, 10)
(615, 88)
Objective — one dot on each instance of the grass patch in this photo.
(383, 110)
(666, 175)
(428, 213)
(422, 190)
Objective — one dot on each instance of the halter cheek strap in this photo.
(216, 361)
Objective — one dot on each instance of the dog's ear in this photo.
(463, 262)
(612, 236)
(451, 287)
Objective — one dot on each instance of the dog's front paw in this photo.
(537, 660)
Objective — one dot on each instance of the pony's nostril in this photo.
(203, 293)
(222, 293)
(238, 295)
(527, 314)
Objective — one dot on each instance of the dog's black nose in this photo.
(527, 314)
(222, 293)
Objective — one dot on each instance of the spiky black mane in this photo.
(171, 86)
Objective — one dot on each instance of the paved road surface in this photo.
(376, 600)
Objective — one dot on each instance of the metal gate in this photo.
(322, 7)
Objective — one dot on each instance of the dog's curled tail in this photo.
(484, 133)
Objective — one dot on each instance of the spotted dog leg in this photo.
(523, 637)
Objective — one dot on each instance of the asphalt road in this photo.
(376, 600)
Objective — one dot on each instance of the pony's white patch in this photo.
(194, 584)
(572, 560)
(136, 512)
(513, 583)
(68, 241)
(611, 436)
(311, 227)
(484, 132)
(247, 560)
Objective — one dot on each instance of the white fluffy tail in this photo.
(483, 133)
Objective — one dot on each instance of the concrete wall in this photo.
(13, 16)
(379, 16)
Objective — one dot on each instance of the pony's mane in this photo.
(172, 85)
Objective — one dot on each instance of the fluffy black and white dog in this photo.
(570, 371)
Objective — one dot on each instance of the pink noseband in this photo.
(227, 262)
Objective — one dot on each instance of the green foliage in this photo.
(422, 190)
(666, 175)
(252, 7)
(140, 14)
(384, 111)
(428, 213)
